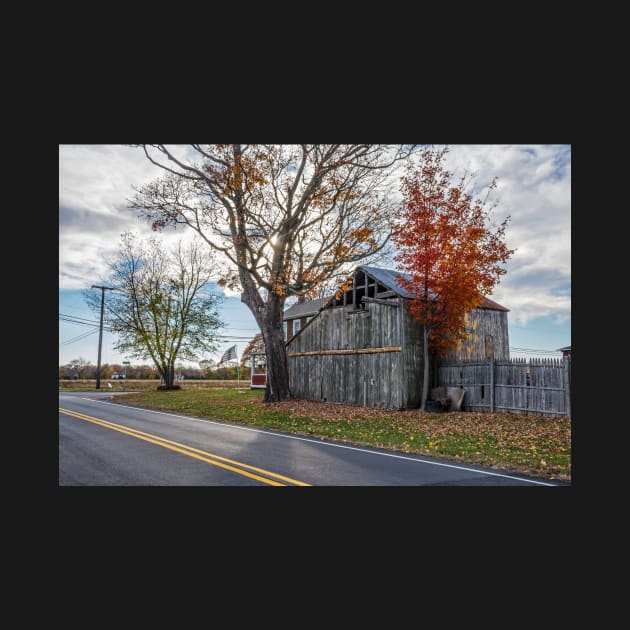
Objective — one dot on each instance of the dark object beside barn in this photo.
(434, 406)
(451, 398)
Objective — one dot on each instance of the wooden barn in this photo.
(365, 348)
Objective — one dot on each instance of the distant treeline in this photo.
(82, 369)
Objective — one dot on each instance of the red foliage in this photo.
(447, 247)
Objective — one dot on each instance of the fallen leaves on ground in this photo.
(530, 444)
(506, 428)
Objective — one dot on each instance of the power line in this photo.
(86, 322)
(94, 326)
(109, 329)
(85, 319)
(77, 338)
(534, 350)
(70, 320)
(245, 329)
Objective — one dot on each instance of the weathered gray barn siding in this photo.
(413, 358)
(366, 364)
(487, 337)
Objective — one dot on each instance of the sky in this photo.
(533, 187)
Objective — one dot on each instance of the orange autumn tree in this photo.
(451, 252)
(285, 218)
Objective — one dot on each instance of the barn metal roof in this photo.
(492, 305)
(391, 279)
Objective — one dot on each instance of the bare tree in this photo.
(159, 309)
(81, 366)
(285, 217)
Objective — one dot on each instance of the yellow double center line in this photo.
(204, 456)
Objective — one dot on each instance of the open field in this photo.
(532, 445)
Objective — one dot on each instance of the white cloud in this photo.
(95, 182)
(534, 188)
(99, 177)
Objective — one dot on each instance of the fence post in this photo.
(566, 382)
(491, 385)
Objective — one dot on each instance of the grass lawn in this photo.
(532, 445)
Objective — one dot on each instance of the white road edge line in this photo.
(351, 448)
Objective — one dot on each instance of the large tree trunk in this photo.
(277, 366)
(268, 315)
(425, 375)
(167, 374)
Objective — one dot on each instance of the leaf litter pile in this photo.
(533, 445)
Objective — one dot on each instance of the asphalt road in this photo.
(103, 444)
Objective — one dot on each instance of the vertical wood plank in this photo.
(568, 385)
(491, 374)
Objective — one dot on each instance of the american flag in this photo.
(228, 355)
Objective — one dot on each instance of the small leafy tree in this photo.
(106, 371)
(449, 249)
(208, 366)
(160, 309)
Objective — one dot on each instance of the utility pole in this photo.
(100, 333)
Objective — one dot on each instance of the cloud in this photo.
(99, 177)
(95, 182)
(534, 188)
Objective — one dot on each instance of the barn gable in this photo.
(374, 282)
(487, 325)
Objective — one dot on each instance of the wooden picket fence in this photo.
(536, 386)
